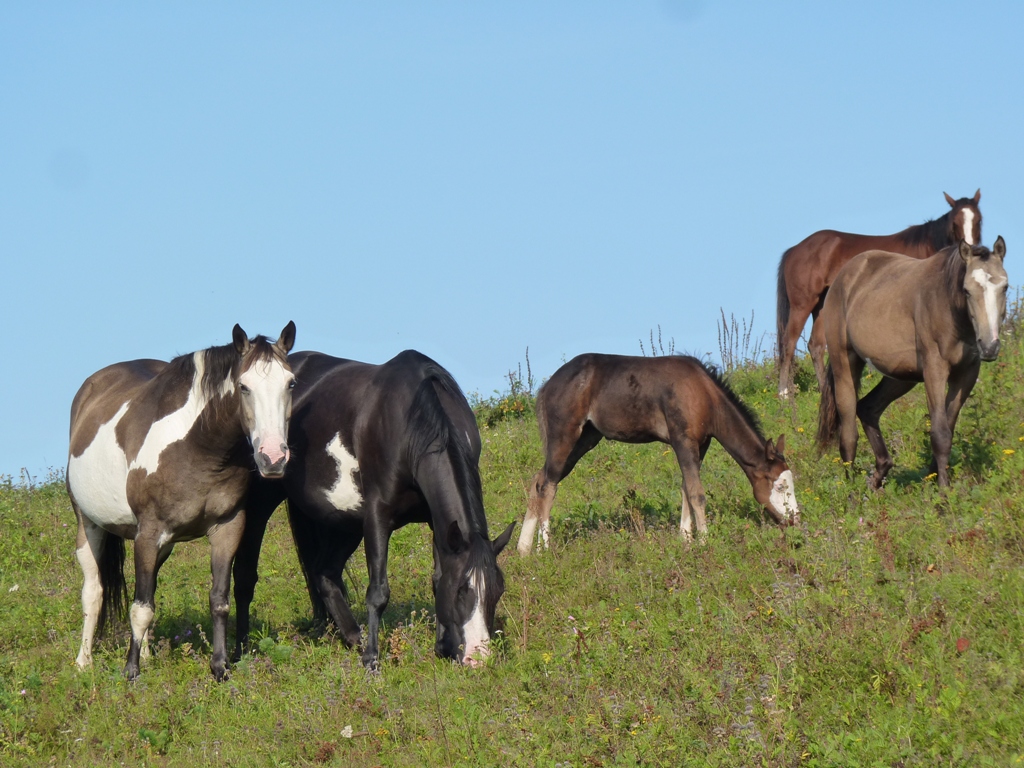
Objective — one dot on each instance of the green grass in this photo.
(887, 630)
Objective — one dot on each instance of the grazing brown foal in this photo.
(674, 400)
(808, 268)
(934, 321)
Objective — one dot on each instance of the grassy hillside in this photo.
(886, 630)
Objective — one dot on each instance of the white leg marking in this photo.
(92, 597)
(344, 494)
(544, 533)
(526, 535)
(783, 496)
(141, 617)
(968, 219)
(97, 477)
(475, 629)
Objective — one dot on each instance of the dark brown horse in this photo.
(164, 452)
(808, 268)
(674, 400)
(934, 321)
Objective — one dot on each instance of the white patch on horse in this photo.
(344, 494)
(174, 426)
(783, 496)
(968, 215)
(475, 629)
(544, 533)
(991, 288)
(97, 477)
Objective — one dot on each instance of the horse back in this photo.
(628, 399)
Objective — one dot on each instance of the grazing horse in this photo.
(934, 321)
(163, 452)
(376, 447)
(808, 269)
(674, 400)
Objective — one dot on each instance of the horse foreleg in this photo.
(91, 539)
(936, 374)
(147, 564)
(688, 455)
(377, 534)
(961, 382)
(870, 410)
(224, 540)
(246, 570)
(538, 511)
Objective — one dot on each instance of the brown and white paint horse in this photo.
(674, 400)
(163, 452)
(934, 321)
(808, 268)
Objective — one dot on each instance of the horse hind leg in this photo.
(816, 347)
(787, 349)
(846, 370)
(91, 541)
(544, 485)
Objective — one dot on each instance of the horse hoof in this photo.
(131, 672)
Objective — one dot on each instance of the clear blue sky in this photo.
(467, 179)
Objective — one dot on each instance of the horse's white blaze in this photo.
(92, 600)
(97, 477)
(968, 215)
(475, 629)
(269, 394)
(141, 616)
(991, 288)
(174, 426)
(344, 494)
(783, 496)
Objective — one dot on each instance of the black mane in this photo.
(430, 431)
(937, 233)
(745, 411)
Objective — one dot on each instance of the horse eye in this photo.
(291, 384)
(245, 389)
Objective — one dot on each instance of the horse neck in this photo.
(738, 436)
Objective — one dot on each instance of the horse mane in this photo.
(430, 431)
(935, 233)
(718, 378)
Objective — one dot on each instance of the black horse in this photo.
(373, 448)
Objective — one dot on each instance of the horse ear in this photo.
(950, 200)
(769, 450)
(977, 196)
(499, 543)
(999, 248)
(240, 340)
(780, 444)
(455, 540)
(965, 250)
(286, 340)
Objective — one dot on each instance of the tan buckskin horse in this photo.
(934, 321)
(808, 269)
(675, 400)
(164, 452)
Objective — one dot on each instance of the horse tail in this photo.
(115, 590)
(310, 540)
(828, 413)
(781, 309)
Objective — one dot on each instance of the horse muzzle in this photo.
(271, 464)
(989, 352)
